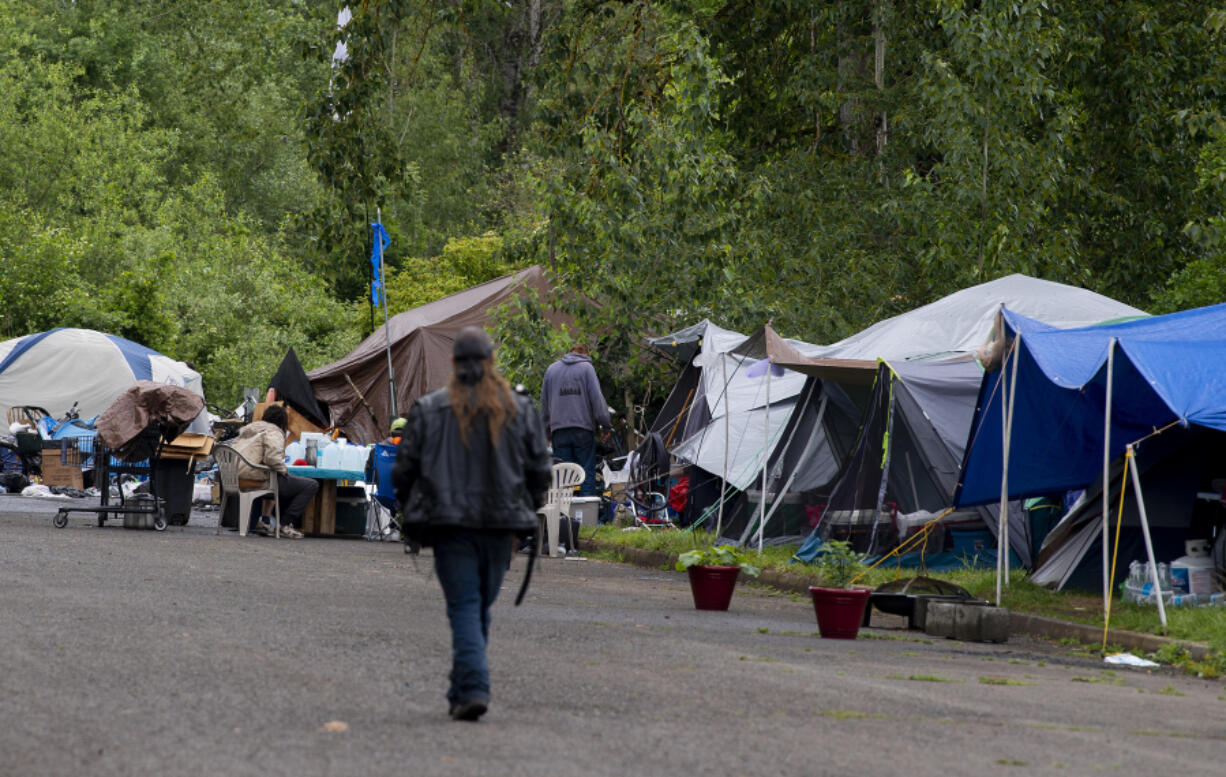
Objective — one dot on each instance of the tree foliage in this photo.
(201, 176)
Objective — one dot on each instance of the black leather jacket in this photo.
(441, 483)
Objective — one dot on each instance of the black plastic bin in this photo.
(174, 483)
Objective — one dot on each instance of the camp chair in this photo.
(566, 477)
(228, 461)
(382, 491)
(29, 415)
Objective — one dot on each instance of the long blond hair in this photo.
(478, 389)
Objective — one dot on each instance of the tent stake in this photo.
(1107, 472)
(1149, 545)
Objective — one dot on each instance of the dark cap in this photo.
(472, 343)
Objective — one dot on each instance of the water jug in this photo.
(353, 458)
(294, 451)
(1193, 573)
(330, 456)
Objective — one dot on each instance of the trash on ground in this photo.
(1128, 659)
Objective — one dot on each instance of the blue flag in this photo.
(379, 242)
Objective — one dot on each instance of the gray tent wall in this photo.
(909, 453)
(816, 439)
(1174, 468)
(685, 411)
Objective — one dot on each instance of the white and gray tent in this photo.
(728, 413)
(806, 433)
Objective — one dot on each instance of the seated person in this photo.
(263, 442)
(396, 431)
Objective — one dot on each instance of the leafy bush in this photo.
(719, 556)
(838, 565)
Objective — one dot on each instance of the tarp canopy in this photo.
(1166, 369)
(956, 324)
(56, 368)
(421, 341)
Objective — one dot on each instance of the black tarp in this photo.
(292, 386)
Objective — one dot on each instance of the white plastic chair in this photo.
(228, 461)
(566, 477)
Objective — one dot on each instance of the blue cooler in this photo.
(972, 542)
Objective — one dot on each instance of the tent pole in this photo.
(765, 455)
(1149, 545)
(1009, 445)
(723, 483)
(1006, 426)
(1107, 472)
(387, 332)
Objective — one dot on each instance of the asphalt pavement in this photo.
(193, 652)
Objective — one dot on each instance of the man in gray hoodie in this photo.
(572, 408)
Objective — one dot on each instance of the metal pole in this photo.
(387, 332)
(1003, 517)
(1149, 545)
(1107, 473)
(1009, 446)
(765, 456)
(723, 483)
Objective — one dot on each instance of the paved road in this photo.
(190, 653)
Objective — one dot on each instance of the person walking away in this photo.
(263, 442)
(573, 408)
(470, 473)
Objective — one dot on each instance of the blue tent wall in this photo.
(1167, 368)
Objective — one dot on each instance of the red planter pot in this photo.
(712, 586)
(839, 610)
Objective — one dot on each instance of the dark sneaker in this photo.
(470, 710)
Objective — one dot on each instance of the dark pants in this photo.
(296, 493)
(578, 446)
(470, 566)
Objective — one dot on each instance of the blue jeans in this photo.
(578, 446)
(470, 566)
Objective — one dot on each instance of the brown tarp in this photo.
(766, 342)
(421, 341)
(143, 404)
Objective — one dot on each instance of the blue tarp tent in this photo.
(1165, 369)
(1076, 399)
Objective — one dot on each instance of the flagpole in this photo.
(387, 333)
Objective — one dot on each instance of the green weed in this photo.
(923, 678)
(853, 715)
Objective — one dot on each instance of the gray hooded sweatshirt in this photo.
(571, 397)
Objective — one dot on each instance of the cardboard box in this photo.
(61, 467)
(297, 422)
(188, 446)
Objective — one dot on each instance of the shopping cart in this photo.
(113, 469)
